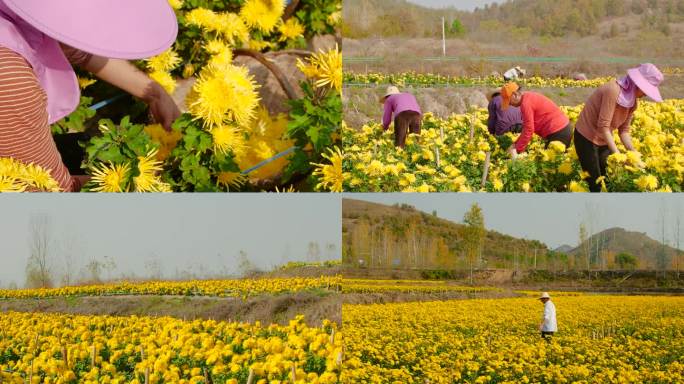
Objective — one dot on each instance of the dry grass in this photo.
(315, 306)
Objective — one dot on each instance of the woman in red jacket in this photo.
(540, 116)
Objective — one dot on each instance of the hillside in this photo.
(404, 237)
(528, 32)
(606, 245)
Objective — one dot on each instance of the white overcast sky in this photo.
(467, 5)
(182, 231)
(551, 218)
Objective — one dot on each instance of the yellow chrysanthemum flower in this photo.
(176, 4)
(228, 138)
(147, 179)
(164, 62)
(84, 82)
(16, 176)
(647, 183)
(111, 178)
(165, 80)
(233, 180)
(263, 15)
(325, 68)
(291, 29)
(223, 94)
(331, 175)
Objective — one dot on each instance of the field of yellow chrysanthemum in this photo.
(458, 154)
(601, 339)
(51, 348)
(218, 288)
(415, 79)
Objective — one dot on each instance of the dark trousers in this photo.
(405, 122)
(564, 136)
(547, 336)
(593, 159)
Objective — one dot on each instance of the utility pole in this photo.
(443, 37)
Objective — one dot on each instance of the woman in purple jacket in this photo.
(501, 121)
(406, 112)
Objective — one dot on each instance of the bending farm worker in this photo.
(514, 73)
(406, 112)
(501, 121)
(548, 326)
(611, 107)
(540, 116)
(40, 40)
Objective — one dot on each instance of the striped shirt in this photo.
(25, 134)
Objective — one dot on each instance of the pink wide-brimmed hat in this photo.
(648, 78)
(121, 29)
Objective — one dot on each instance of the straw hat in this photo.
(391, 90)
(544, 295)
(121, 29)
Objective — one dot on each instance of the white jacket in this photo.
(549, 318)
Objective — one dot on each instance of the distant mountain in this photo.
(564, 249)
(402, 236)
(605, 245)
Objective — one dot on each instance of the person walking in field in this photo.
(611, 107)
(406, 112)
(514, 73)
(41, 40)
(548, 326)
(540, 116)
(501, 121)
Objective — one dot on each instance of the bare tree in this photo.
(313, 253)
(38, 265)
(153, 268)
(93, 271)
(245, 265)
(70, 259)
(330, 251)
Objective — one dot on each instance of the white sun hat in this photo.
(544, 295)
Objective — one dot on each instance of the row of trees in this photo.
(520, 17)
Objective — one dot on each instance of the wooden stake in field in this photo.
(294, 372)
(485, 171)
(92, 357)
(332, 336)
(65, 357)
(250, 379)
(437, 160)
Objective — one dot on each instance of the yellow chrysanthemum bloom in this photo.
(176, 4)
(233, 29)
(111, 178)
(291, 29)
(330, 70)
(84, 82)
(223, 94)
(204, 18)
(263, 15)
(233, 180)
(167, 140)
(647, 183)
(228, 138)
(331, 174)
(16, 176)
(165, 80)
(147, 180)
(164, 62)
(265, 138)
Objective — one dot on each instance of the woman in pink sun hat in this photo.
(609, 108)
(41, 40)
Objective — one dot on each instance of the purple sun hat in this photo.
(121, 29)
(648, 78)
